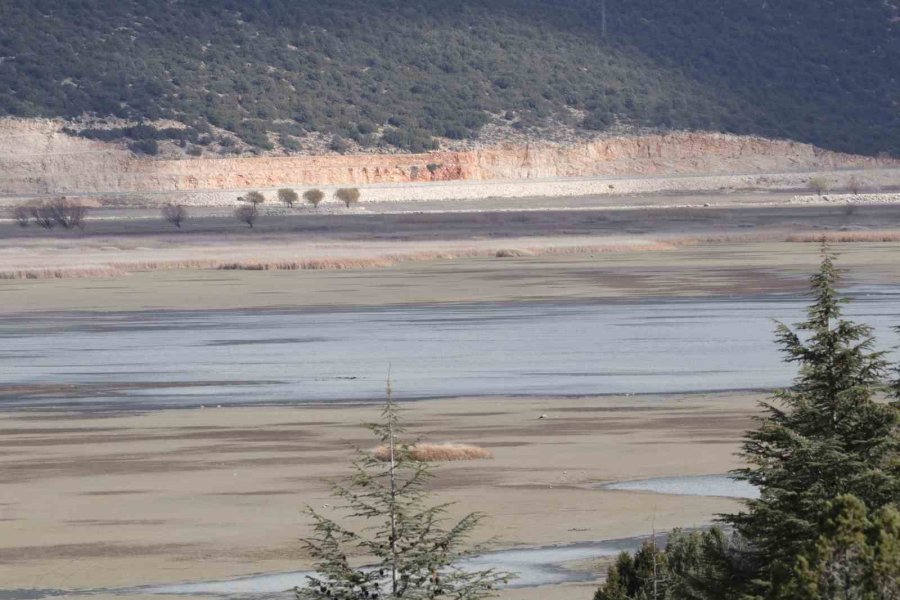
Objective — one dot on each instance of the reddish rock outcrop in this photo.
(37, 158)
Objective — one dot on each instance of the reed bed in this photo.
(846, 237)
(116, 269)
(438, 452)
(62, 273)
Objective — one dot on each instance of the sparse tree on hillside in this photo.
(175, 214)
(247, 214)
(413, 556)
(349, 196)
(818, 184)
(314, 197)
(287, 196)
(855, 185)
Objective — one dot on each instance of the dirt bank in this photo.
(37, 158)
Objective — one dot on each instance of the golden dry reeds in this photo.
(115, 269)
(63, 273)
(845, 237)
(438, 452)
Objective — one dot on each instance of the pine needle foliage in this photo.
(857, 556)
(696, 565)
(825, 436)
(411, 551)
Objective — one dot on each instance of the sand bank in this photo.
(122, 500)
(699, 270)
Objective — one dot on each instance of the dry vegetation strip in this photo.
(438, 452)
(115, 269)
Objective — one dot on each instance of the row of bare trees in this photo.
(66, 213)
(248, 212)
(289, 197)
(821, 185)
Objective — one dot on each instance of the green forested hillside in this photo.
(400, 72)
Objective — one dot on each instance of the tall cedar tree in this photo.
(413, 555)
(821, 438)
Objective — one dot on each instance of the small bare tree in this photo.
(22, 214)
(174, 214)
(42, 215)
(855, 185)
(68, 213)
(818, 184)
(253, 198)
(247, 214)
(349, 196)
(287, 196)
(314, 197)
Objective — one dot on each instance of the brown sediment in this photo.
(689, 269)
(235, 491)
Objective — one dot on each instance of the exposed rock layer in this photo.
(37, 158)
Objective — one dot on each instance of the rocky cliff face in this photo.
(37, 158)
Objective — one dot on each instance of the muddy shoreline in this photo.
(214, 494)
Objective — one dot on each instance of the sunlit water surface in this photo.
(191, 358)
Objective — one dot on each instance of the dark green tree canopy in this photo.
(384, 72)
(856, 556)
(695, 565)
(826, 459)
(825, 436)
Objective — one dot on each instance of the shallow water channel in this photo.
(144, 360)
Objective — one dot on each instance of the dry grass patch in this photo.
(119, 268)
(438, 452)
(843, 237)
(74, 272)
(512, 253)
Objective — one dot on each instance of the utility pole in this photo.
(603, 18)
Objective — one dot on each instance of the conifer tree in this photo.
(694, 565)
(825, 436)
(857, 556)
(408, 552)
(644, 575)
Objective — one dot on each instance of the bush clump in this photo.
(174, 214)
(287, 196)
(247, 214)
(349, 196)
(314, 197)
(437, 452)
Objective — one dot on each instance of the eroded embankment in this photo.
(37, 158)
